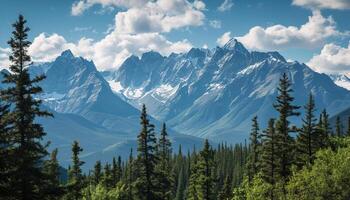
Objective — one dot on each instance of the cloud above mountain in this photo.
(333, 59)
(312, 34)
(323, 4)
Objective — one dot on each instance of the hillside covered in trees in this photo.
(281, 162)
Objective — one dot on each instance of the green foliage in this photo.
(100, 192)
(327, 178)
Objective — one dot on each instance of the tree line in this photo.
(282, 161)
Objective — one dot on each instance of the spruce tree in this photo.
(130, 177)
(284, 141)
(53, 189)
(75, 177)
(27, 152)
(145, 184)
(205, 166)
(338, 127)
(269, 162)
(97, 172)
(323, 130)
(116, 171)
(192, 189)
(253, 162)
(226, 191)
(307, 143)
(181, 185)
(163, 168)
(107, 177)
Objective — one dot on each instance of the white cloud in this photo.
(160, 16)
(80, 6)
(215, 23)
(222, 40)
(312, 34)
(143, 16)
(46, 48)
(323, 4)
(108, 53)
(4, 57)
(333, 59)
(226, 5)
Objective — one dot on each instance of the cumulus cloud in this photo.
(108, 53)
(80, 6)
(4, 57)
(312, 34)
(225, 6)
(223, 39)
(160, 16)
(144, 16)
(323, 4)
(215, 23)
(333, 59)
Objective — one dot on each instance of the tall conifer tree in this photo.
(163, 168)
(338, 127)
(253, 160)
(307, 143)
(269, 162)
(145, 184)
(27, 178)
(75, 176)
(285, 142)
(53, 189)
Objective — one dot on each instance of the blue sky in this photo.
(108, 31)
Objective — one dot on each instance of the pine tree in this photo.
(226, 192)
(116, 171)
(284, 141)
(52, 190)
(205, 181)
(253, 162)
(130, 177)
(75, 177)
(268, 159)
(27, 153)
(192, 189)
(338, 127)
(5, 149)
(323, 130)
(107, 176)
(97, 173)
(145, 185)
(181, 185)
(163, 168)
(307, 143)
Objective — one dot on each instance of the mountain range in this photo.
(199, 94)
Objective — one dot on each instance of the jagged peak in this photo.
(151, 55)
(234, 44)
(67, 54)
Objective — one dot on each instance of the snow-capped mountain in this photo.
(85, 109)
(215, 93)
(341, 80)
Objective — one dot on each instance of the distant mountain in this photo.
(85, 109)
(215, 94)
